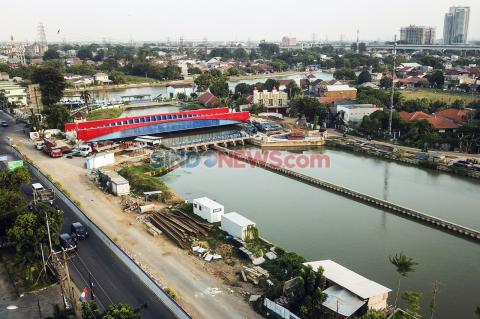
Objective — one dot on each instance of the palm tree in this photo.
(404, 265)
(85, 96)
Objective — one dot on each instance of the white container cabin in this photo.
(236, 225)
(208, 209)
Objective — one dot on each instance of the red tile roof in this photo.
(413, 116)
(329, 99)
(440, 123)
(455, 115)
(208, 99)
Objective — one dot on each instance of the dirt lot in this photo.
(200, 286)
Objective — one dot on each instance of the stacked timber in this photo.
(179, 226)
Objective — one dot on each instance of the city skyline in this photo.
(114, 21)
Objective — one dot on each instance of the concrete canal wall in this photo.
(433, 221)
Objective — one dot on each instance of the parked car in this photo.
(67, 243)
(39, 145)
(4, 124)
(82, 150)
(78, 231)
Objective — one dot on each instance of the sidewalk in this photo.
(171, 266)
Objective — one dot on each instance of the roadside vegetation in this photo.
(25, 232)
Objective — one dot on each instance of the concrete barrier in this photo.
(145, 278)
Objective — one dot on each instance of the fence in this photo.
(279, 310)
(148, 281)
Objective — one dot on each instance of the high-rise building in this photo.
(289, 41)
(455, 26)
(417, 35)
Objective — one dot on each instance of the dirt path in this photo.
(202, 294)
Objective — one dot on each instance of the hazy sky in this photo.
(121, 20)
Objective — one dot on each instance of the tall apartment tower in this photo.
(417, 35)
(455, 26)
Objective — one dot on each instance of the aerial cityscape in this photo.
(204, 159)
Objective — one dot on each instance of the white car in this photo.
(83, 150)
(39, 145)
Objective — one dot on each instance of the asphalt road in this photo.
(113, 282)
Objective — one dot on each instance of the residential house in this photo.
(174, 89)
(413, 82)
(349, 293)
(274, 101)
(458, 116)
(209, 100)
(262, 68)
(354, 113)
(282, 84)
(4, 76)
(101, 78)
(441, 124)
(79, 80)
(304, 84)
(214, 63)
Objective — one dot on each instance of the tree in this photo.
(13, 180)
(240, 54)
(386, 82)
(436, 79)
(344, 74)
(57, 116)
(194, 70)
(51, 83)
(374, 314)
(121, 311)
(85, 96)
(233, 71)
(268, 50)
(12, 203)
(279, 65)
(181, 96)
(364, 77)
(404, 265)
(413, 303)
(84, 53)
(23, 234)
(458, 104)
(309, 107)
(292, 89)
(243, 89)
(51, 54)
(270, 84)
(117, 77)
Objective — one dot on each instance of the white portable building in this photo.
(100, 160)
(208, 209)
(119, 186)
(236, 225)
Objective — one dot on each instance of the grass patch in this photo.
(437, 95)
(133, 79)
(105, 114)
(143, 178)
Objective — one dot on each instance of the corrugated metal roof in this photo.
(342, 301)
(344, 277)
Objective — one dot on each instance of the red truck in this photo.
(51, 148)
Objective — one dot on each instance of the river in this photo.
(113, 96)
(321, 225)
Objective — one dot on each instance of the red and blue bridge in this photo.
(129, 127)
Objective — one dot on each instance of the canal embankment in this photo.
(430, 162)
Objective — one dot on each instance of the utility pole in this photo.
(393, 87)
